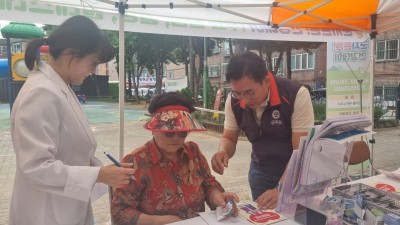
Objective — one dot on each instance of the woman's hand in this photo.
(221, 198)
(115, 176)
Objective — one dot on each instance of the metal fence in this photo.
(212, 120)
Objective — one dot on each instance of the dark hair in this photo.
(79, 34)
(168, 99)
(246, 64)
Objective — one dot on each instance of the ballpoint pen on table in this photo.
(116, 162)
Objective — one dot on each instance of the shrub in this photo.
(319, 112)
(385, 123)
(113, 89)
(378, 113)
(187, 93)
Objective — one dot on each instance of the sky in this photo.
(2, 24)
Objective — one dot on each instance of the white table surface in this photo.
(381, 178)
(371, 181)
(199, 221)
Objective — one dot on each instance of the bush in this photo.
(113, 89)
(385, 123)
(187, 93)
(319, 112)
(378, 113)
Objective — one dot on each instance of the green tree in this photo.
(130, 41)
(49, 29)
(155, 50)
(194, 72)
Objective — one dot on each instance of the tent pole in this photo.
(10, 99)
(121, 69)
(205, 75)
(372, 50)
(372, 141)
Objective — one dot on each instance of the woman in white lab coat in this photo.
(56, 170)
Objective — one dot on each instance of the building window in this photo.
(303, 61)
(214, 71)
(16, 48)
(216, 49)
(279, 73)
(223, 71)
(311, 61)
(170, 74)
(227, 51)
(387, 50)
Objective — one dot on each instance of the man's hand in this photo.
(268, 199)
(219, 161)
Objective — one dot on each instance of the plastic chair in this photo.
(359, 154)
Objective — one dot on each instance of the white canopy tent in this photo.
(245, 19)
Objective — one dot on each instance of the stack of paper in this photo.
(322, 157)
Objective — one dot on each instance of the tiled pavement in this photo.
(386, 156)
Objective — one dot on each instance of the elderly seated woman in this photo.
(173, 178)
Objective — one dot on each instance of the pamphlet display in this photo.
(322, 158)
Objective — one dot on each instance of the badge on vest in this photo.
(276, 118)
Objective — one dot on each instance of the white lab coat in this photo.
(54, 146)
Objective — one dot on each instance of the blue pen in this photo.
(116, 162)
(112, 159)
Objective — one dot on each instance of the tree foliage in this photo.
(142, 50)
(155, 50)
(49, 29)
(182, 55)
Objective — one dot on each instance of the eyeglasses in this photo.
(248, 93)
(181, 134)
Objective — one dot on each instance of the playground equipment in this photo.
(3, 68)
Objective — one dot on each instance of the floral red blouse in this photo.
(164, 187)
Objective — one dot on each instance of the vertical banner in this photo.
(349, 70)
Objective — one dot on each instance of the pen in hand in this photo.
(116, 162)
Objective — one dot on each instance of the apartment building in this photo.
(387, 65)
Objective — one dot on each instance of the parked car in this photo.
(153, 90)
(82, 98)
(143, 92)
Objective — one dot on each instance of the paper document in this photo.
(259, 216)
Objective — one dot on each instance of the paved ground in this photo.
(104, 123)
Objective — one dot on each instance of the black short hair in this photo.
(246, 64)
(168, 99)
